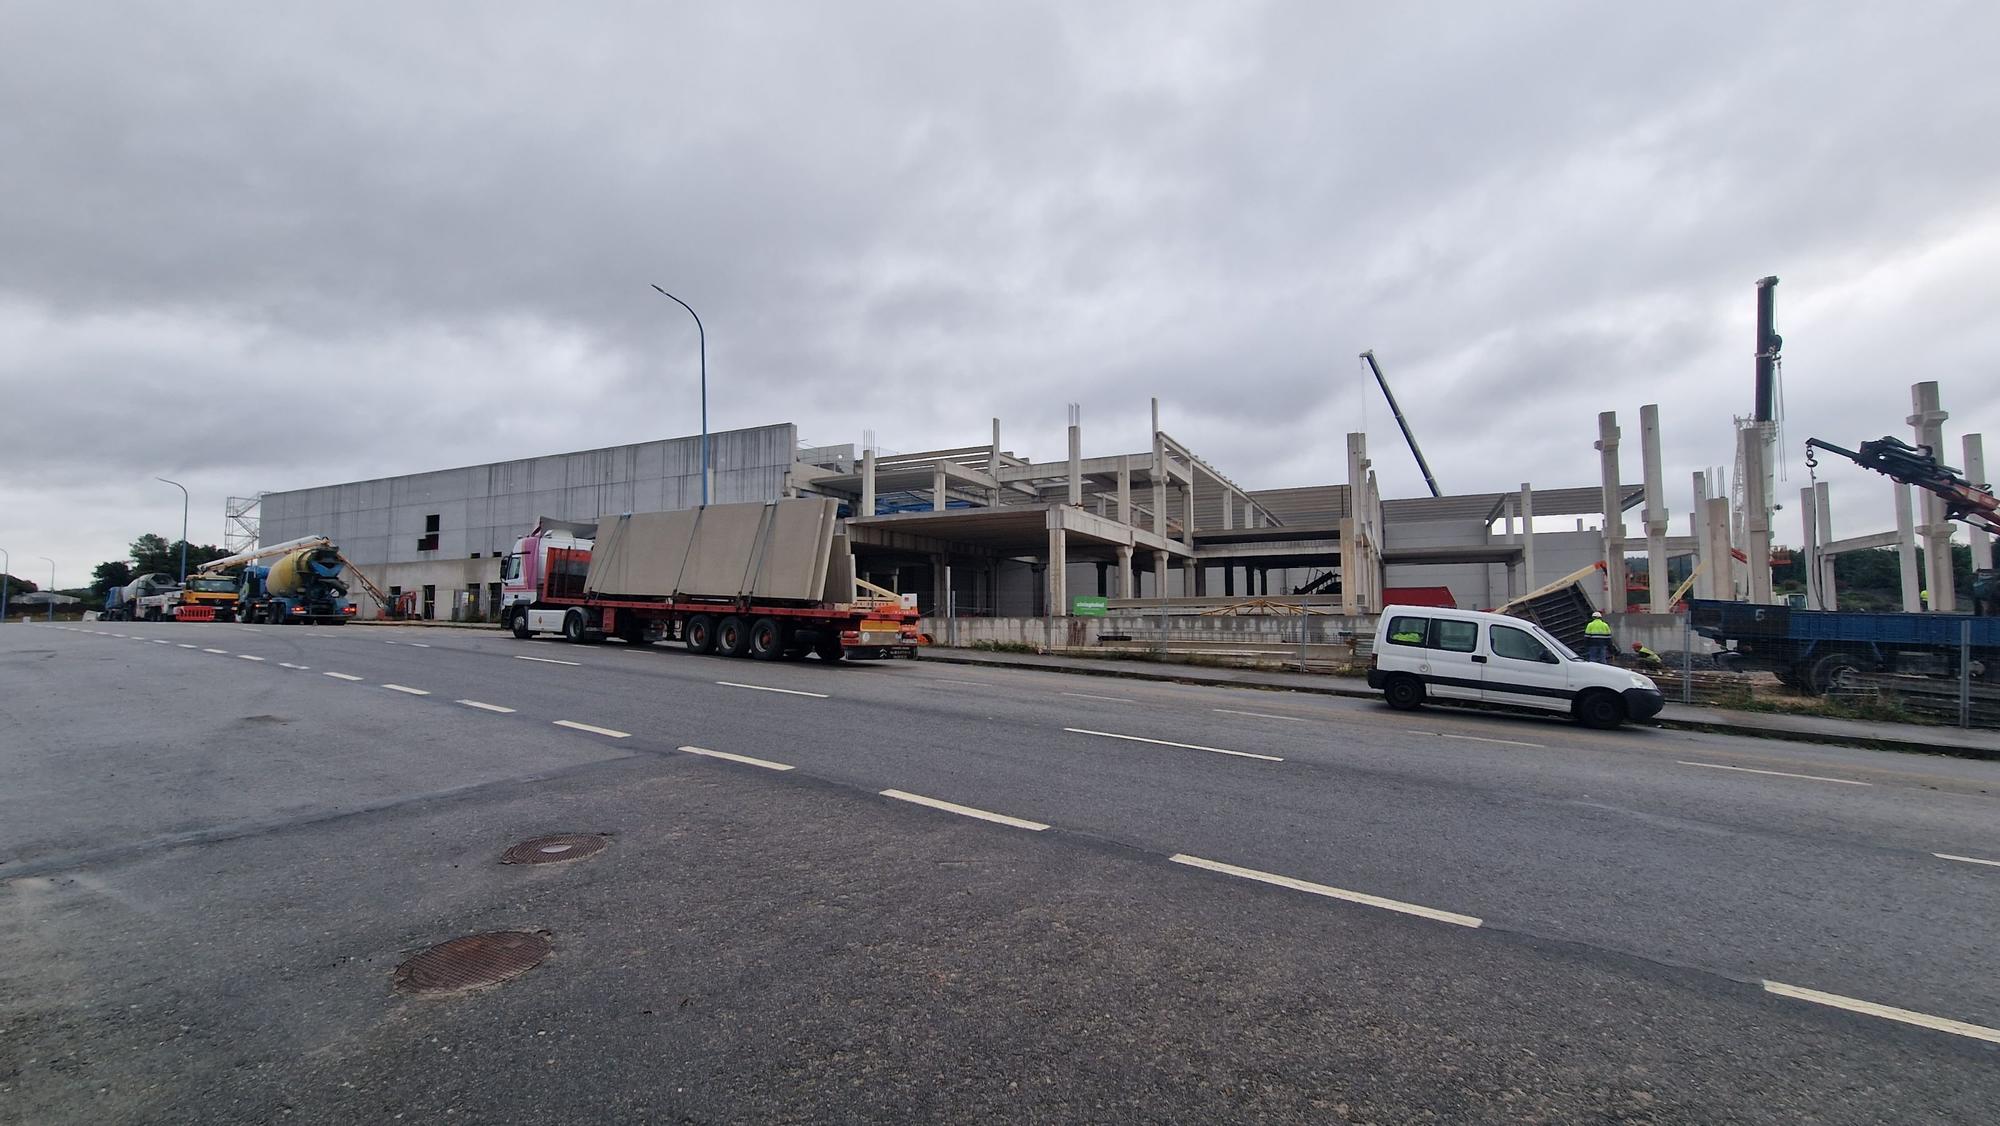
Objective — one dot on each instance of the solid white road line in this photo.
(407, 690)
(224, 652)
(1965, 859)
(1328, 891)
(247, 657)
(761, 688)
(1259, 715)
(1886, 1012)
(1775, 773)
(487, 707)
(548, 661)
(1484, 739)
(340, 676)
(1168, 743)
(746, 760)
(574, 725)
(289, 665)
(966, 810)
(1088, 696)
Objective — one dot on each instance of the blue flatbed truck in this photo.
(1819, 650)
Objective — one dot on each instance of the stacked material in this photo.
(776, 551)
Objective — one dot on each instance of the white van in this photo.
(1427, 653)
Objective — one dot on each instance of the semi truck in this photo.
(771, 580)
(1819, 651)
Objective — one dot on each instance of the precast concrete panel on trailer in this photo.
(777, 551)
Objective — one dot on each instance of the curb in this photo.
(1712, 727)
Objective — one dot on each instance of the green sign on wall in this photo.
(1087, 606)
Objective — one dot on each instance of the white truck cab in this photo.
(1427, 653)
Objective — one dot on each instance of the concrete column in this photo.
(867, 482)
(1126, 588)
(1125, 489)
(1906, 549)
(1229, 581)
(1809, 548)
(1187, 519)
(1927, 419)
(940, 585)
(1250, 515)
(1058, 568)
(1159, 574)
(1717, 549)
(993, 462)
(1103, 580)
(1075, 458)
(1655, 516)
(1228, 510)
(1614, 513)
(1829, 590)
(1190, 579)
(1527, 538)
(1755, 447)
(1704, 579)
(938, 486)
(1975, 472)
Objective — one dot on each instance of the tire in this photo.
(698, 634)
(732, 637)
(1601, 709)
(1404, 693)
(829, 649)
(1830, 671)
(573, 626)
(518, 622)
(767, 639)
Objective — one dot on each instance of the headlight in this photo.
(1644, 682)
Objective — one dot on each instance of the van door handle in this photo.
(1478, 659)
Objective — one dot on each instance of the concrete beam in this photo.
(1875, 542)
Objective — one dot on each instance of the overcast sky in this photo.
(255, 246)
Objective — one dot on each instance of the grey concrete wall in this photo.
(481, 509)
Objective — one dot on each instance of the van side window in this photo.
(1518, 645)
(1454, 637)
(1408, 631)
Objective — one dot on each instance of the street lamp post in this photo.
(184, 526)
(6, 580)
(52, 586)
(702, 333)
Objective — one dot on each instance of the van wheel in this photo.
(767, 639)
(573, 627)
(698, 634)
(732, 637)
(1404, 693)
(519, 624)
(1600, 709)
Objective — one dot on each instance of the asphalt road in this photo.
(1187, 904)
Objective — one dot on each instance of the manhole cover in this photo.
(548, 850)
(473, 961)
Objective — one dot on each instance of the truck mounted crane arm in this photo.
(1919, 466)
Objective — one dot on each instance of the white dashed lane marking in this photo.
(785, 691)
(1170, 743)
(1775, 773)
(247, 657)
(1886, 1012)
(746, 760)
(1259, 715)
(1106, 699)
(1965, 859)
(593, 729)
(406, 689)
(487, 707)
(185, 645)
(548, 661)
(341, 676)
(224, 652)
(1484, 739)
(289, 665)
(1329, 891)
(966, 810)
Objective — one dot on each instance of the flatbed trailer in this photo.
(1821, 650)
(775, 556)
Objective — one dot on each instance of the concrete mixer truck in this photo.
(299, 586)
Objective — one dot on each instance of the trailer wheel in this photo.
(829, 649)
(573, 626)
(732, 637)
(698, 633)
(1835, 670)
(518, 622)
(767, 639)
